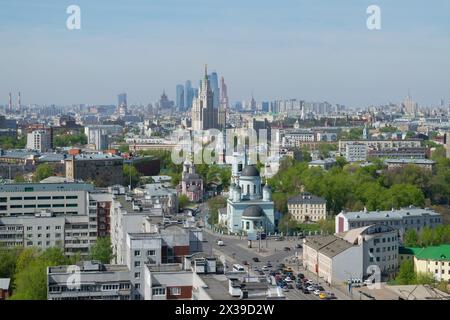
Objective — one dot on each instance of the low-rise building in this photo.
(89, 280)
(356, 254)
(434, 260)
(400, 163)
(306, 207)
(325, 164)
(402, 219)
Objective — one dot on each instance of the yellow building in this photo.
(434, 260)
(307, 207)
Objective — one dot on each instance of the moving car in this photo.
(220, 243)
(255, 259)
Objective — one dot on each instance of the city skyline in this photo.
(320, 52)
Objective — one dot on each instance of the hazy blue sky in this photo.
(314, 50)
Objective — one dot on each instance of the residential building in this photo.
(104, 169)
(306, 207)
(355, 152)
(39, 140)
(402, 219)
(99, 139)
(425, 164)
(373, 144)
(325, 164)
(400, 153)
(95, 281)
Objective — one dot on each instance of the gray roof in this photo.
(67, 186)
(253, 211)
(389, 214)
(306, 198)
(411, 161)
(329, 246)
(250, 171)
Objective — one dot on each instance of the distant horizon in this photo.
(313, 51)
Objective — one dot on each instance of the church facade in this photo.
(250, 208)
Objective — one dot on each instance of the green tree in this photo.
(406, 274)
(19, 179)
(43, 171)
(8, 261)
(183, 201)
(31, 278)
(130, 171)
(411, 239)
(102, 250)
(214, 204)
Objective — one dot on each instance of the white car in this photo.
(220, 243)
(288, 279)
(265, 268)
(317, 292)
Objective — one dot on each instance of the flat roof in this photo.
(391, 214)
(35, 187)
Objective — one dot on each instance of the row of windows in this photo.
(29, 228)
(137, 253)
(39, 235)
(388, 258)
(3, 199)
(56, 205)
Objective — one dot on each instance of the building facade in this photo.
(306, 207)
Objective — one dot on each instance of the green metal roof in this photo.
(441, 252)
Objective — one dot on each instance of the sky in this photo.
(315, 50)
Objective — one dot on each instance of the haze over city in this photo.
(283, 49)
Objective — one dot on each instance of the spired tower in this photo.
(204, 115)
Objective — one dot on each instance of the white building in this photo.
(402, 219)
(48, 215)
(98, 138)
(356, 254)
(250, 207)
(355, 152)
(39, 140)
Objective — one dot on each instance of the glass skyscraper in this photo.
(180, 97)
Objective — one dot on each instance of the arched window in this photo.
(248, 189)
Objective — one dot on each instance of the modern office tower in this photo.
(180, 97)
(19, 103)
(265, 106)
(39, 140)
(204, 115)
(189, 94)
(214, 83)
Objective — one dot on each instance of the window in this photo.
(137, 285)
(44, 198)
(58, 197)
(151, 252)
(29, 206)
(175, 291)
(29, 228)
(43, 206)
(47, 228)
(47, 235)
(15, 198)
(137, 263)
(72, 197)
(29, 198)
(72, 205)
(371, 250)
(137, 253)
(159, 291)
(58, 228)
(15, 206)
(371, 259)
(137, 275)
(58, 205)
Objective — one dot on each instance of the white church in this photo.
(250, 208)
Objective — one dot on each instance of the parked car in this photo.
(245, 263)
(255, 259)
(305, 290)
(269, 264)
(298, 246)
(265, 268)
(220, 243)
(287, 249)
(318, 291)
(301, 276)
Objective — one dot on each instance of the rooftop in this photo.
(306, 198)
(328, 245)
(437, 253)
(391, 214)
(34, 187)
